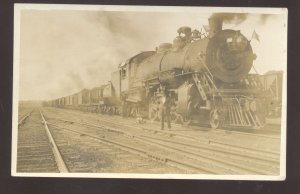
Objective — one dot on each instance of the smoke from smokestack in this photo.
(235, 18)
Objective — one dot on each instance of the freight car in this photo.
(207, 76)
(99, 100)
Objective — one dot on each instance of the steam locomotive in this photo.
(206, 75)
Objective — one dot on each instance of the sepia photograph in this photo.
(167, 92)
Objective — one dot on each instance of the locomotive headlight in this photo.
(241, 43)
(229, 40)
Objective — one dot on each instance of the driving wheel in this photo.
(215, 119)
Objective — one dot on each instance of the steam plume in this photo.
(235, 18)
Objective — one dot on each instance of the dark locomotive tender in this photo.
(207, 77)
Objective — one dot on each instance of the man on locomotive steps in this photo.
(165, 110)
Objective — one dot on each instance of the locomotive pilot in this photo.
(165, 110)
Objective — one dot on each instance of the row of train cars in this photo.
(99, 100)
(103, 100)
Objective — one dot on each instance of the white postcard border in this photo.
(16, 62)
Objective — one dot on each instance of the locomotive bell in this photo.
(184, 30)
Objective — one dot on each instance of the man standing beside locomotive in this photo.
(165, 110)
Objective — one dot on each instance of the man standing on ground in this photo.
(165, 110)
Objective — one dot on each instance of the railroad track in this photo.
(114, 126)
(130, 144)
(34, 150)
(232, 162)
(253, 133)
(212, 138)
(114, 156)
(23, 119)
(42, 150)
(265, 133)
(212, 159)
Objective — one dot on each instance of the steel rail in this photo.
(209, 141)
(189, 137)
(249, 134)
(217, 130)
(198, 138)
(217, 159)
(191, 154)
(247, 155)
(23, 119)
(170, 160)
(217, 150)
(243, 151)
(234, 149)
(58, 158)
(248, 152)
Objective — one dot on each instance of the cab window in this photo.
(123, 72)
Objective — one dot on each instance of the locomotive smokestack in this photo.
(215, 25)
(216, 21)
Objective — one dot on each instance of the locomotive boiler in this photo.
(207, 76)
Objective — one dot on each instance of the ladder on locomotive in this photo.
(204, 83)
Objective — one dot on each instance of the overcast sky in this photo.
(62, 51)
